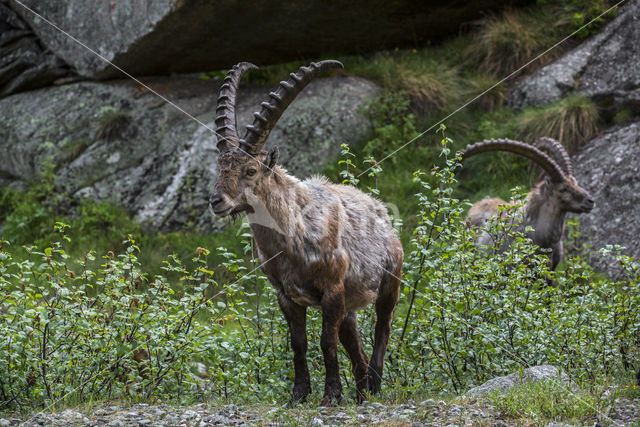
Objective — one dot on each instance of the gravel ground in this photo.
(429, 412)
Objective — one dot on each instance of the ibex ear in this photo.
(544, 187)
(272, 159)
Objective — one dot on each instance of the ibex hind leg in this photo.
(350, 339)
(333, 312)
(385, 304)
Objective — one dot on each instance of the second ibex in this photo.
(320, 244)
(548, 202)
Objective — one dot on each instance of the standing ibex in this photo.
(548, 201)
(328, 246)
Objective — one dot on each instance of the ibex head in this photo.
(560, 186)
(242, 164)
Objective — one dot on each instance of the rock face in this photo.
(609, 167)
(24, 64)
(506, 383)
(164, 36)
(116, 141)
(604, 67)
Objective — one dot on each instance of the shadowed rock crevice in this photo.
(24, 63)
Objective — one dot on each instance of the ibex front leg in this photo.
(333, 312)
(296, 316)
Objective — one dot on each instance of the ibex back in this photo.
(328, 246)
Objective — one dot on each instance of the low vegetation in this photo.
(80, 303)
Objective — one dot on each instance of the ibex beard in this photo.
(329, 246)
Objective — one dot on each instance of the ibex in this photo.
(548, 201)
(324, 245)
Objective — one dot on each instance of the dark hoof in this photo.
(374, 380)
(299, 394)
(329, 401)
(332, 394)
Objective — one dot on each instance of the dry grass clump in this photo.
(112, 123)
(432, 86)
(505, 42)
(573, 121)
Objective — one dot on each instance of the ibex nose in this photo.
(214, 199)
(588, 204)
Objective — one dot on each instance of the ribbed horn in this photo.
(557, 152)
(226, 109)
(547, 163)
(278, 101)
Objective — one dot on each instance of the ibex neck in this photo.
(547, 220)
(276, 212)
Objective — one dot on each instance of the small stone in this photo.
(429, 403)
(316, 422)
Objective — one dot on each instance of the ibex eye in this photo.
(251, 171)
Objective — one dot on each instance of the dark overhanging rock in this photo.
(115, 141)
(178, 36)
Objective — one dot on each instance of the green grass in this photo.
(547, 401)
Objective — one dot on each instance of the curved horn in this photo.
(278, 101)
(557, 152)
(547, 163)
(226, 108)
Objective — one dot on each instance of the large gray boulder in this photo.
(503, 384)
(605, 67)
(165, 36)
(24, 64)
(609, 167)
(116, 141)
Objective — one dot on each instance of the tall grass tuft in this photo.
(573, 121)
(507, 41)
(431, 85)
